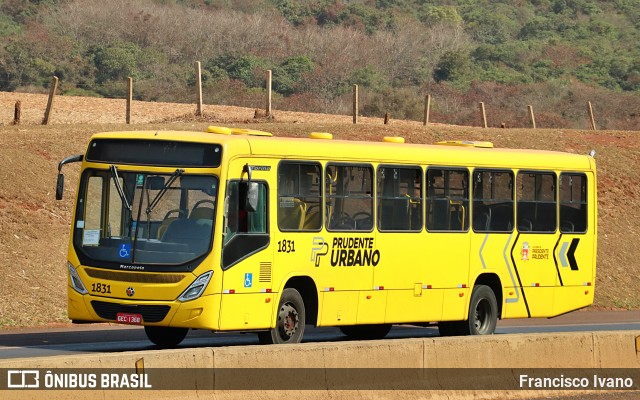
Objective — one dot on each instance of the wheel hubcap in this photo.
(288, 318)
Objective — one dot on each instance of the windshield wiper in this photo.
(116, 181)
(156, 200)
(162, 191)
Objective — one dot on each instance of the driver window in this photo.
(349, 194)
(238, 219)
(246, 231)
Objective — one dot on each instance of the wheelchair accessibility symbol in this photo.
(125, 250)
(248, 280)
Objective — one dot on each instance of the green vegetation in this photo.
(553, 54)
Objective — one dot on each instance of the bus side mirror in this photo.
(60, 187)
(60, 183)
(249, 194)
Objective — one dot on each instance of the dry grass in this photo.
(34, 227)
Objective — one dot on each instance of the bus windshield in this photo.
(144, 218)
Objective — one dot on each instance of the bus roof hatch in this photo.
(467, 143)
(223, 130)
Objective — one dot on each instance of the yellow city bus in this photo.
(237, 230)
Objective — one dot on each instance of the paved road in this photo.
(24, 343)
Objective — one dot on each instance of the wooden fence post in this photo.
(199, 88)
(591, 118)
(387, 118)
(533, 118)
(427, 107)
(269, 86)
(52, 93)
(483, 115)
(17, 113)
(129, 99)
(355, 104)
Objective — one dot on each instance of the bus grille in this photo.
(134, 276)
(149, 313)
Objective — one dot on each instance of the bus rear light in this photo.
(196, 289)
(535, 285)
(329, 289)
(426, 286)
(379, 288)
(587, 283)
(265, 290)
(76, 282)
(229, 291)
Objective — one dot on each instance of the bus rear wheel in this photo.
(366, 332)
(165, 337)
(290, 322)
(483, 315)
(483, 311)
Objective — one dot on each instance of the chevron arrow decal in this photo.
(568, 254)
(563, 255)
(571, 254)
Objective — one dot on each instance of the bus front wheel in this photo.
(165, 337)
(483, 315)
(290, 321)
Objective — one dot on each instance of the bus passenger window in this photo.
(573, 203)
(536, 201)
(299, 196)
(492, 201)
(349, 193)
(399, 198)
(447, 200)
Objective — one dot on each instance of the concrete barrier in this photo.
(348, 369)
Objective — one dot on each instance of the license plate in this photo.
(126, 318)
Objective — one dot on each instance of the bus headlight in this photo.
(196, 288)
(76, 282)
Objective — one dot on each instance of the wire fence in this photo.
(189, 101)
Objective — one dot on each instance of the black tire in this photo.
(483, 311)
(483, 315)
(366, 332)
(290, 322)
(165, 337)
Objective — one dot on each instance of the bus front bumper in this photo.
(201, 313)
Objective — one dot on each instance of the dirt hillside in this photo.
(34, 228)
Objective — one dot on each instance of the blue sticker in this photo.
(125, 250)
(248, 279)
